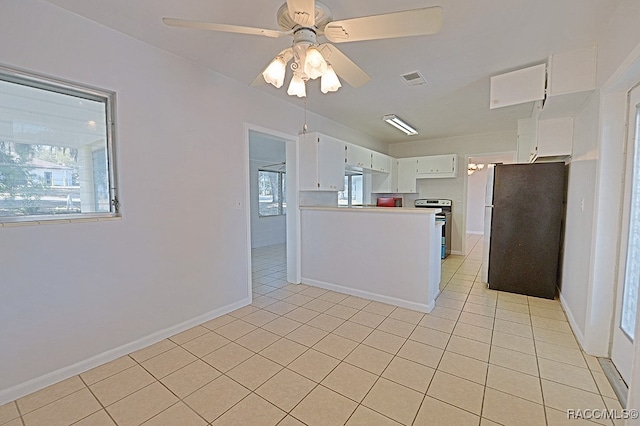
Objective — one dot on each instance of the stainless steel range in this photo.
(444, 216)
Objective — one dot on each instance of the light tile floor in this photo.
(303, 355)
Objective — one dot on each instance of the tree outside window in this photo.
(271, 193)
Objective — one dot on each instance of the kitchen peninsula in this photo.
(391, 255)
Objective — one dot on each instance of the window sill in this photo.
(49, 220)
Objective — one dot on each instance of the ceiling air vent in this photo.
(414, 78)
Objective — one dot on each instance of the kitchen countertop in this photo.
(409, 210)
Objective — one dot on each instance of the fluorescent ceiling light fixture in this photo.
(399, 124)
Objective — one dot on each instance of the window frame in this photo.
(281, 189)
(57, 85)
(349, 189)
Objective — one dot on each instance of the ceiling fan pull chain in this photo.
(304, 126)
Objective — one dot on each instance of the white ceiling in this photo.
(478, 39)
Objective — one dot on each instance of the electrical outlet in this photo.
(582, 204)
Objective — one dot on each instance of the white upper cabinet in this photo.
(554, 139)
(573, 71)
(517, 87)
(381, 162)
(407, 172)
(438, 166)
(358, 156)
(386, 182)
(527, 135)
(571, 79)
(321, 160)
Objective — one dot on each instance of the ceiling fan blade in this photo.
(396, 24)
(302, 12)
(287, 54)
(199, 25)
(343, 66)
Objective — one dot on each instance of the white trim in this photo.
(292, 216)
(475, 233)
(63, 373)
(572, 322)
(427, 308)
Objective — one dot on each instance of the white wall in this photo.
(579, 217)
(595, 183)
(76, 295)
(595, 176)
(454, 188)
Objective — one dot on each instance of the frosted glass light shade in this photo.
(297, 86)
(314, 63)
(274, 74)
(329, 81)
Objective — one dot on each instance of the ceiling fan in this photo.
(306, 20)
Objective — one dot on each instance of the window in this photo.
(56, 154)
(272, 189)
(353, 192)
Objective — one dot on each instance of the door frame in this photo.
(618, 337)
(605, 244)
(293, 212)
(465, 192)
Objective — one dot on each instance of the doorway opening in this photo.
(477, 174)
(269, 205)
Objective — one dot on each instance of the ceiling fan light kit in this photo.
(308, 19)
(400, 124)
(297, 86)
(274, 74)
(329, 81)
(314, 64)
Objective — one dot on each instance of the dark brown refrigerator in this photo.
(526, 212)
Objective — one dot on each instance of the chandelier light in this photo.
(473, 167)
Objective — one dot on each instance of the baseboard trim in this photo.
(22, 389)
(422, 307)
(572, 322)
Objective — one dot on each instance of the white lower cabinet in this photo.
(407, 172)
(321, 160)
